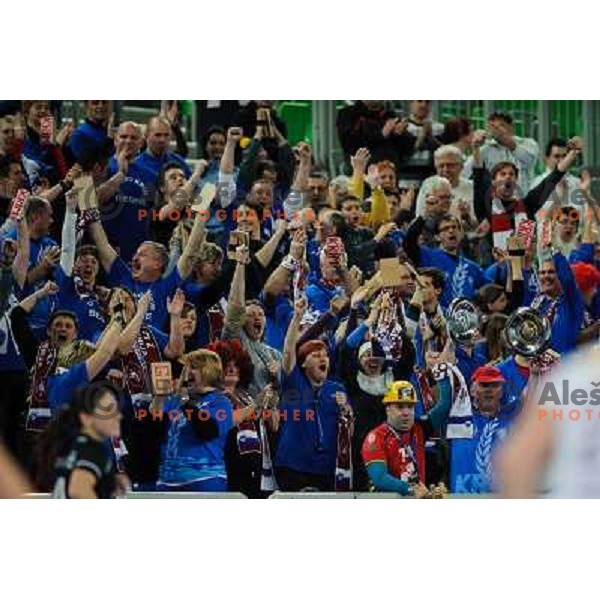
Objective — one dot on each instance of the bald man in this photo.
(126, 225)
(157, 153)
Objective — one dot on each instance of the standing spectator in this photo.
(95, 131)
(307, 451)
(502, 145)
(418, 165)
(193, 454)
(457, 132)
(448, 162)
(367, 124)
(157, 153)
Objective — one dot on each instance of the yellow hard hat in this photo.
(400, 391)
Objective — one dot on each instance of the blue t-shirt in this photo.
(186, 458)
(63, 384)
(463, 276)
(88, 135)
(85, 305)
(308, 437)
(154, 165)
(10, 355)
(120, 275)
(38, 317)
(123, 215)
(471, 459)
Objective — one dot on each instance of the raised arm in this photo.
(265, 255)
(108, 188)
(235, 315)
(195, 241)
(291, 338)
(176, 346)
(132, 330)
(67, 251)
(106, 252)
(105, 350)
(21, 262)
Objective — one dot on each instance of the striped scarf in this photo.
(251, 438)
(506, 218)
(135, 363)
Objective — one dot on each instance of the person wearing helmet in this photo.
(394, 452)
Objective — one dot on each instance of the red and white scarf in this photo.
(505, 221)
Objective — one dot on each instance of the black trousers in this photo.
(13, 394)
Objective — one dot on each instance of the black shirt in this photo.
(91, 455)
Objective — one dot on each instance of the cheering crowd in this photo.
(251, 322)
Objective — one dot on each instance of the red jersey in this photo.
(403, 453)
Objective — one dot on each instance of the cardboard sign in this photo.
(391, 274)
(207, 194)
(86, 193)
(18, 202)
(162, 378)
(237, 238)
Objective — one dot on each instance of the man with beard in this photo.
(94, 131)
(394, 452)
(463, 276)
(246, 321)
(310, 411)
(148, 267)
(471, 457)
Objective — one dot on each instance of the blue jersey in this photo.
(471, 459)
(10, 355)
(120, 275)
(84, 304)
(154, 164)
(38, 317)
(63, 384)
(463, 276)
(185, 458)
(88, 135)
(308, 437)
(126, 216)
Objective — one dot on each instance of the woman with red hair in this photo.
(247, 452)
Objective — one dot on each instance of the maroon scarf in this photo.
(135, 363)
(38, 413)
(343, 460)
